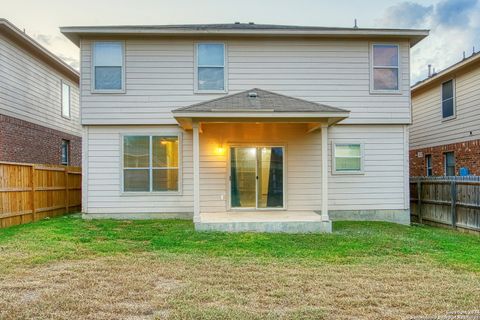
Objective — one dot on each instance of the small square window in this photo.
(347, 158)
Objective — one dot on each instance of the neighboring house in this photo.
(445, 133)
(39, 103)
(245, 126)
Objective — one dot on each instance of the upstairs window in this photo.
(65, 100)
(448, 100)
(385, 68)
(210, 68)
(150, 163)
(108, 69)
(347, 158)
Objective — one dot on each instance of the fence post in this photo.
(66, 190)
(419, 200)
(32, 179)
(453, 197)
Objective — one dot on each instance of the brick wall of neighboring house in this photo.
(22, 141)
(467, 154)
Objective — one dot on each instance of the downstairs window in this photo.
(150, 163)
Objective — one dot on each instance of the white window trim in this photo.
(372, 67)
(445, 163)
(225, 69)
(362, 158)
(68, 153)
(228, 197)
(454, 100)
(92, 68)
(180, 166)
(62, 83)
(428, 156)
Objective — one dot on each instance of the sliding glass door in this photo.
(256, 177)
(243, 177)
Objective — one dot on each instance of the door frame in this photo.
(229, 180)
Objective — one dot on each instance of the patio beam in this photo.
(324, 132)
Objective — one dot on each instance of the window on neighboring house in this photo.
(449, 163)
(108, 66)
(428, 164)
(210, 67)
(65, 100)
(347, 158)
(150, 163)
(385, 68)
(65, 152)
(448, 100)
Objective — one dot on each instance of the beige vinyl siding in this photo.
(160, 77)
(385, 179)
(30, 90)
(382, 186)
(103, 173)
(428, 129)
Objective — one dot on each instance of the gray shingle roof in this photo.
(258, 100)
(75, 33)
(234, 26)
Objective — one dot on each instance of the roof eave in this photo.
(48, 57)
(259, 114)
(76, 33)
(186, 120)
(445, 73)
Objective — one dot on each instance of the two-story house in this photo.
(445, 133)
(246, 126)
(39, 103)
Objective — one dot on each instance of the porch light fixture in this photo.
(220, 151)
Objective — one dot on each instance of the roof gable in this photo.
(258, 100)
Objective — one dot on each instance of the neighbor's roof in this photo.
(23, 40)
(257, 100)
(75, 33)
(448, 72)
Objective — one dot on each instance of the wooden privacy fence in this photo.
(451, 201)
(29, 192)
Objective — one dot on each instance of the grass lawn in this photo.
(68, 268)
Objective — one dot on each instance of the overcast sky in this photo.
(454, 24)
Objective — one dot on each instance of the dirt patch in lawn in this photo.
(149, 287)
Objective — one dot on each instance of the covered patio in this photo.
(260, 162)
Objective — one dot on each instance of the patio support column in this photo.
(196, 173)
(324, 133)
